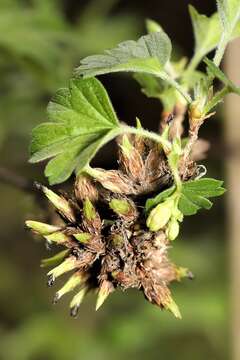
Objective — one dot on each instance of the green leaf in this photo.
(154, 87)
(186, 206)
(149, 54)
(207, 32)
(209, 35)
(229, 14)
(150, 85)
(82, 120)
(206, 187)
(216, 72)
(194, 195)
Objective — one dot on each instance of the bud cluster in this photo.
(166, 215)
(109, 242)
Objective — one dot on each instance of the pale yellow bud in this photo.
(160, 216)
(104, 291)
(67, 265)
(173, 308)
(173, 229)
(75, 280)
(77, 300)
(42, 228)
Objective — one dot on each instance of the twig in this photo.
(10, 178)
(19, 182)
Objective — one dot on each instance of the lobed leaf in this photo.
(193, 197)
(82, 120)
(207, 31)
(148, 54)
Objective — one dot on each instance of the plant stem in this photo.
(220, 50)
(193, 64)
(21, 183)
(10, 178)
(148, 134)
(174, 84)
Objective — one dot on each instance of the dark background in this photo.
(40, 43)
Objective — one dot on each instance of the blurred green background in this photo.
(40, 43)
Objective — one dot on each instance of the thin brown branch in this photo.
(11, 178)
(23, 184)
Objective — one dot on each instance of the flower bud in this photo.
(173, 308)
(67, 265)
(184, 273)
(195, 113)
(113, 180)
(89, 210)
(84, 188)
(58, 237)
(121, 207)
(91, 221)
(124, 208)
(104, 291)
(177, 214)
(42, 228)
(60, 203)
(160, 215)
(131, 160)
(82, 237)
(54, 260)
(77, 300)
(126, 146)
(173, 229)
(75, 280)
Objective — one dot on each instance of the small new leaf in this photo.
(207, 32)
(195, 195)
(82, 120)
(229, 14)
(216, 72)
